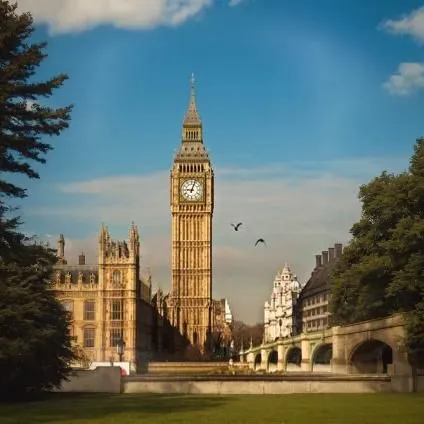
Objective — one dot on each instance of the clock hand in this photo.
(192, 187)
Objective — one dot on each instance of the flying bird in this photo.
(236, 227)
(260, 240)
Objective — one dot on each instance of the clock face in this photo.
(192, 190)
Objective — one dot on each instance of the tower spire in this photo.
(192, 117)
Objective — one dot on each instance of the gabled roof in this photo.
(318, 282)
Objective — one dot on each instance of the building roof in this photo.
(192, 117)
(74, 270)
(192, 151)
(79, 268)
(319, 280)
(317, 283)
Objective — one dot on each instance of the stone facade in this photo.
(222, 324)
(313, 311)
(280, 312)
(109, 302)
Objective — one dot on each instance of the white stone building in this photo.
(228, 313)
(279, 313)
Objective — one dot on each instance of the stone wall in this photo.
(249, 385)
(419, 383)
(99, 380)
(109, 380)
(184, 367)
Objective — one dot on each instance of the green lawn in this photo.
(281, 409)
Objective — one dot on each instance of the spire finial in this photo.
(192, 117)
(193, 85)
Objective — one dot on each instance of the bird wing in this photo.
(261, 240)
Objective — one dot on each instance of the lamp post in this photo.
(120, 348)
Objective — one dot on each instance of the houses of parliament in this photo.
(110, 303)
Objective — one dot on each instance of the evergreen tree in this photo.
(35, 346)
(35, 343)
(382, 269)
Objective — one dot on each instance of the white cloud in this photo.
(298, 211)
(233, 3)
(64, 16)
(409, 78)
(411, 24)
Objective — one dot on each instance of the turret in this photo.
(61, 250)
(119, 251)
(104, 235)
(134, 240)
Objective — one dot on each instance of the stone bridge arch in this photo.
(257, 362)
(371, 356)
(321, 357)
(293, 358)
(272, 361)
(373, 346)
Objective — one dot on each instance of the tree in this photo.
(381, 270)
(35, 347)
(35, 343)
(81, 357)
(243, 333)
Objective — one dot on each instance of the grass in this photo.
(276, 409)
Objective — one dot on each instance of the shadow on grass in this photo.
(57, 407)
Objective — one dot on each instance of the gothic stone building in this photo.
(279, 312)
(189, 312)
(108, 301)
(190, 305)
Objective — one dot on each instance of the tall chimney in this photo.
(338, 248)
(318, 262)
(81, 259)
(330, 254)
(324, 257)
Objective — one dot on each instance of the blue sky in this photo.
(301, 103)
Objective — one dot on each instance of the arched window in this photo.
(116, 310)
(116, 334)
(89, 337)
(89, 310)
(116, 278)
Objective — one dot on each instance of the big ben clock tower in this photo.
(192, 201)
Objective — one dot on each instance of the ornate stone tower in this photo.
(61, 250)
(192, 201)
(118, 280)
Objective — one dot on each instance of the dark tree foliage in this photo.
(242, 334)
(382, 269)
(35, 345)
(23, 121)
